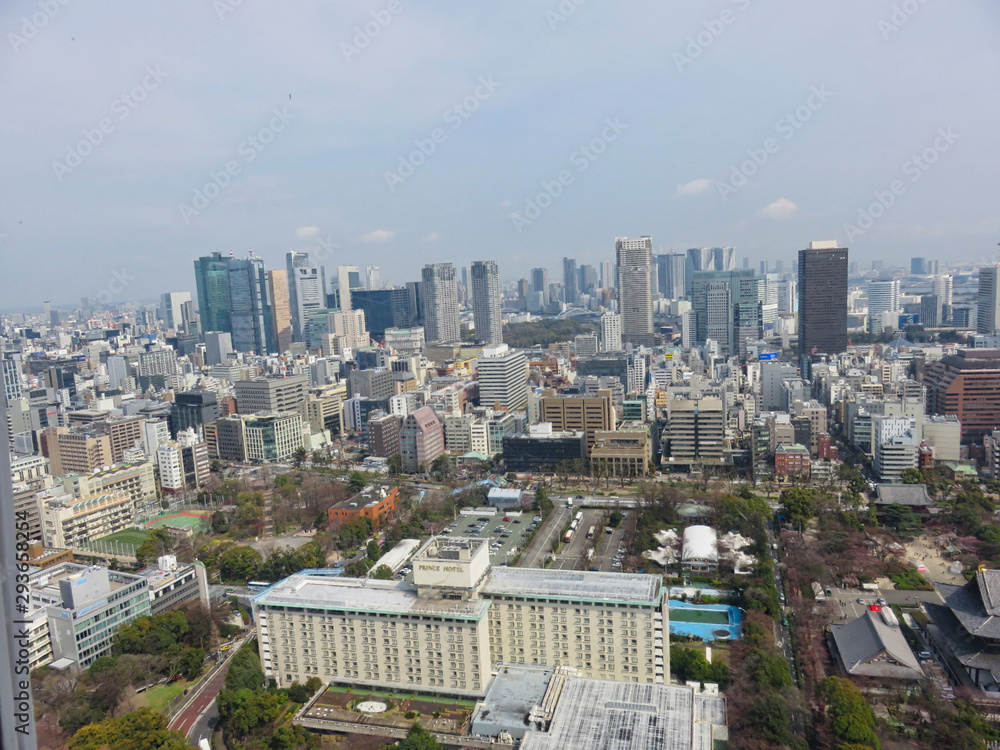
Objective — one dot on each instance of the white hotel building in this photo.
(444, 632)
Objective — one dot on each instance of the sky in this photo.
(139, 136)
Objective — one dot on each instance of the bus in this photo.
(257, 586)
(568, 536)
(590, 534)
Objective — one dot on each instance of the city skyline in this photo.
(365, 142)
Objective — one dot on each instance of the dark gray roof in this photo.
(977, 604)
(903, 494)
(870, 648)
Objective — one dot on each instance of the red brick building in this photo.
(376, 503)
(791, 460)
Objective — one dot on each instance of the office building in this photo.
(405, 341)
(944, 285)
(458, 619)
(440, 292)
(503, 377)
(988, 312)
(611, 332)
(384, 309)
(250, 314)
(281, 315)
(486, 302)
(671, 269)
(727, 308)
(931, 311)
(348, 279)
(708, 259)
(374, 384)
(270, 395)
(822, 299)
(211, 275)
(917, 267)
(383, 435)
(883, 297)
(170, 309)
(967, 385)
(158, 362)
(571, 286)
(421, 440)
(895, 446)
(373, 279)
(635, 289)
(218, 347)
(97, 602)
(306, 284)
(696, 430)
(590, 414)
(171, 584)
(257, 438)
(543, 449)
(540, 283)
(193, 410)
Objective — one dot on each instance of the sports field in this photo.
(187, 519)
(127, 538)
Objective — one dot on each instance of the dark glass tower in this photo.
(822, 299)
(211, 276)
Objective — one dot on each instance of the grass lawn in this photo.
(159, 696)
(401, 695)
(126, 537)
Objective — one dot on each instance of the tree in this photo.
(299, 455)
(239, 563)
(911, 476)
(140, 730)
(220, 525)
(190, 663)
(158, 542)
(419, 738)
(372, 550)
(383, 572)
(797, 506)
(902, 519)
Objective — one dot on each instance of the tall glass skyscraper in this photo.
(250, 311)
(440, 290)
(822, 299)
(486, 302)
(211, 277)
(635, 288)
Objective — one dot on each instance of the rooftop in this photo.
(632, 588)
(366, 595)
(631, 716)
(515, 690)
(903, 494)
(874, 646)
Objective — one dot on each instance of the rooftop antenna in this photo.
(251, 252)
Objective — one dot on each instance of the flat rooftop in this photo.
(597, 714)
(515, 690)
(364, 595)
(574, 585)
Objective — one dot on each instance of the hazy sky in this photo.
(733, 122)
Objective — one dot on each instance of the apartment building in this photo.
(68, 521)
(444, 632)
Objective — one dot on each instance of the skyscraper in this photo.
(571, 289)
(306, 289)
(540, 283)
(281, 317)
(250, 307)
(588, 279)
(709, 259)
(609, 279)
(822, 299)
(727, 307)
(611, 332)
(373, 277)
(635, 288)
(440, 290)
(486, 302)
(671, 272)
(211, 276)
(988, 316)
(170, 308)
(917, 266)
(348, 278)
(883, 296)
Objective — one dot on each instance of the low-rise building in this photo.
(377, 503)
(792, 461)
(874, 646)
(172, 584)
(69, 521)
(543, 449)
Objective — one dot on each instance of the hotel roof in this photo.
(364, 595)
(572, 585)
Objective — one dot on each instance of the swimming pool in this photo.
(710, 622)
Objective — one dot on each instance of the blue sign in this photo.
(767, 355)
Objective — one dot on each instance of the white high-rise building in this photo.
(503, 378)
(944, 288)
(170, 308)
(348, 278)
(155, 432)
(988, 317)
(440, 289)
(306, 289)
(611, 332)
(170, 463)
(787, 295)
(117, 371)
(486, 302)
(373, 277)
(883, 297)
(635, 288)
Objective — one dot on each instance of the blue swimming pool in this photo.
(710, 622)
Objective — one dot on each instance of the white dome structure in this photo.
(700, 551)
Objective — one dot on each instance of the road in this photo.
(201, 710)
(545, 539)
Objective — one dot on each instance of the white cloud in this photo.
(429, 238)
(306, 233)
(780, 209)
(379, 235)
(695, 187)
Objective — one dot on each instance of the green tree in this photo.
(140, 730)
(797, 506)
(299, 455)
(220, 525)
(382, 572)
(911, 476)
(372, 550)
(901, 519)
(158, 542)
(190, 663)
(419, 738)
(239, 563)
(357, 481)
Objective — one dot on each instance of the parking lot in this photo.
(607, 548)
(506, 537)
